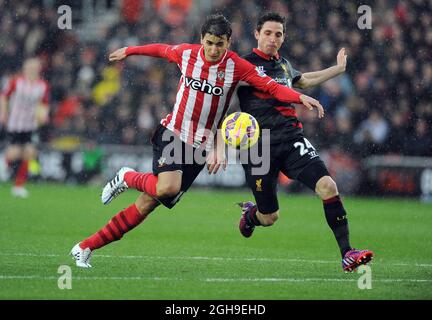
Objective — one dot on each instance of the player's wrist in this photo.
(128, 51)
(340, 68)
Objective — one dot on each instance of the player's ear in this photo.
(256, 34)
(229, 43)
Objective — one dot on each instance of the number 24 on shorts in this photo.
(306, 147)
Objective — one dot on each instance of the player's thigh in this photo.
(264, 188)
(175, 164)
(169, 182)
(189, 173)
(298, 161)
(165, 165)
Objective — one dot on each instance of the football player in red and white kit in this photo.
(23, 109)
(209, 75)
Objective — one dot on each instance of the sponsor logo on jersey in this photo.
(204, 86)
(258, 183)
(284, 81)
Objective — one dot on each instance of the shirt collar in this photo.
(265, 56)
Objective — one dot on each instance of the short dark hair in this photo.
(271, 16)
(217, 25)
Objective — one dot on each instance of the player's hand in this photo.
(341, 59)
(215, 159)
(311, 103)
(118, 55)
(42, 115)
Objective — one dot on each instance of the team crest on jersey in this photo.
(261, 71)
(258, 183)
(161, 161)
(221, 75)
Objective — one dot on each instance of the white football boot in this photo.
(82, 257)
(20, 192)
(116, 186)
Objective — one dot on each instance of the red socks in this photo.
(121, 223)
(21, 176)
(127, 219)
(144, 182)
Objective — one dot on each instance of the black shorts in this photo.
(297, 159)
(172, 154)
(22, 138)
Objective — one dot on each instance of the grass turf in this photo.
(195, 251)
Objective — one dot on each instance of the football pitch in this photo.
(195, 251)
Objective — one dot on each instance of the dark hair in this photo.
(217, 25)
(270, 16)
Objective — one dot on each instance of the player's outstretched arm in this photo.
(157, 50)
(311, 79)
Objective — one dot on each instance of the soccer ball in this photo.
(240, 130)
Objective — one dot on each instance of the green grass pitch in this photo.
(195, 251)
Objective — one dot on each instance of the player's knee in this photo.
(29, 153)
(326, 187)
(167, 190)
(268, 219)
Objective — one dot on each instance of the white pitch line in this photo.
(424, 265)
(39, 277)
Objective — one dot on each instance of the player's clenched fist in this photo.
(118, 55)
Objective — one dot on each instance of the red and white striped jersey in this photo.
(24, 98)
(205, 89)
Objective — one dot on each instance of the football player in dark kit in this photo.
(290, 152)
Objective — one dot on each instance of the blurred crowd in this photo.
(381, 105)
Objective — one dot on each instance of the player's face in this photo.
(31, 69)
(270, 37)
(214, 46)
